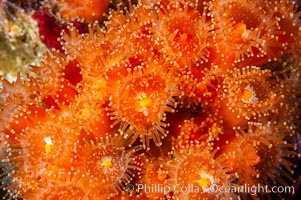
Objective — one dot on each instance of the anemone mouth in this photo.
(194, 173)
(240, 13)
(147, 93)
(106, 163)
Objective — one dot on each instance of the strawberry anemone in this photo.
(251, 28)
(91, 115)
(19, 108)
(89, 10)
(106, 163)
(33, 156)
(261, 154)
(182, 32)
(153, 173)
(206, 172)
(140, 102)
(249, 93)
(92, 50)
(138, 31)
(52, 86)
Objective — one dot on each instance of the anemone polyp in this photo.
(141, 100)
(251, 27)
(277, 139)
(51, 85)
(251, 96)
(19, 108)
(263, 151)
(93, 51)
(89, 10)
(198, 167)
(39, 146)
(106, 163)
(33, 148)
(183, 32)
(153, 173)
(92, 116)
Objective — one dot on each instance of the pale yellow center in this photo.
(106, 162)
(48, 145)
(161, 176)
(205, 182)
(145, 102)
(239, 29)
(48, 148)
(247, 95)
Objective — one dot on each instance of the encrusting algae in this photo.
(159, 100)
